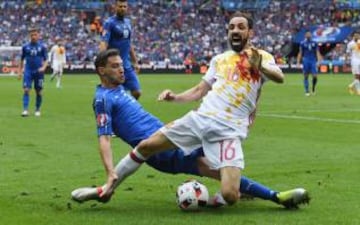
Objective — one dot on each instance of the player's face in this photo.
(114, 71)
(34, 36)
(121, 8)
(238, 33)
(308, 35)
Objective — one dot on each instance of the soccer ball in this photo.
(191, 195)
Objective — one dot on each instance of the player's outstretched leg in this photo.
(291, 199)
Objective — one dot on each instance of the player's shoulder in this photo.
(26, 44)
(127, 20)
(110, 20)
(352, 42)
(226, 54)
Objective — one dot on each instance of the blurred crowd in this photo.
(167, 31)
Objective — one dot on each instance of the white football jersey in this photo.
(57, 54)
(353, 48)
(235, 89)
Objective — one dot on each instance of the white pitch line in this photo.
(317, 110)
(310, 118)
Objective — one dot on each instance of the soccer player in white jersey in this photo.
(230, 91)
(57, 58)
(353, 50)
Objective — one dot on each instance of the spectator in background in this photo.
(34, 54)
(353, 50)
(57, 59)
(309, 55)
(117, 34)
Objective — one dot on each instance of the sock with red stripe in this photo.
(128, 165)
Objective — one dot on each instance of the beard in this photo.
(238, 45)
(120, 15)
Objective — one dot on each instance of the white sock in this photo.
(57, 81)
(128, 165)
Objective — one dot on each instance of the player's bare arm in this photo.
(20, 70)
(298, 61)
(134, 59)
(270, 69)
(319, 56)
(193, 94)
(43, 68)
(107, 159)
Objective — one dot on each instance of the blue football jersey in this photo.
(34, 55)
(120, 114)
(309, 49)
(117, 34)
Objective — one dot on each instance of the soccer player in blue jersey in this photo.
(118, 113)
(117, 34)
(34, 54)
(310, 55)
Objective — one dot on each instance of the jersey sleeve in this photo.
(50, 55)
(209, 76)
(23, 53)
(105, 36)
(349, 48)
(102, 112)
(268, 61)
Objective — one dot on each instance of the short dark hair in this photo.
(102, 57)
(244, 15)
(33, 29)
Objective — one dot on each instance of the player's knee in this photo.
(145, 148)
(230, 195)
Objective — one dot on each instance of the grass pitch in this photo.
(311, 142)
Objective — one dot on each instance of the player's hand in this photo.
(110, 186)
(167, 95)
(41, 69)
(19, 76)
(137, 68)
(255, 58)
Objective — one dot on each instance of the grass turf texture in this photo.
(311, 142)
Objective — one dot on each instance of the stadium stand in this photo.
(196, 27)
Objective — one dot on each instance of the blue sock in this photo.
(26, 100)
(255, 189)
(306, 85)
(38, 102)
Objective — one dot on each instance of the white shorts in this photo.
(355, 67)
(57, 67)
(221, 143)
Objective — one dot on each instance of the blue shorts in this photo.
(309, 67)
(33, 76)
(176, 162)
(131, 80)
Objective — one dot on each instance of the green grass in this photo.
(296, 141)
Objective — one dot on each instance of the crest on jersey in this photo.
(101, 119)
